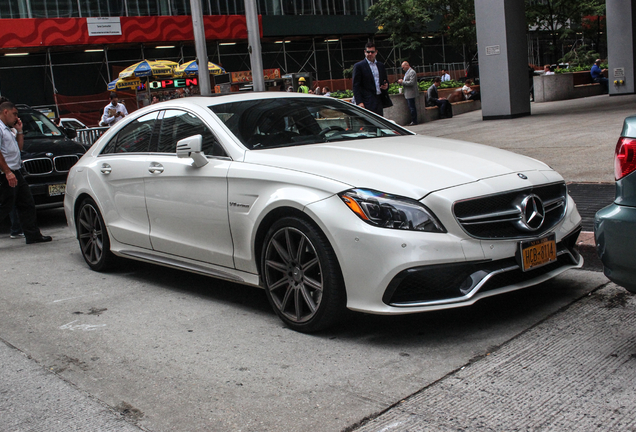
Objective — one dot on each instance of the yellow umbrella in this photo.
(192, 68)
(146, 68)
(128, 83)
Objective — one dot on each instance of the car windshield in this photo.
(283, 122)
(37, 125)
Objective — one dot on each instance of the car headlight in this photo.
(391, 211)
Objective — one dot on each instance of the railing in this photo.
(89, 136)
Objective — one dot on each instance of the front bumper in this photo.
(448, 284)
(615, 237)
(387, 271)
(49, 194)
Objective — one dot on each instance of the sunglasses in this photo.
(370, 52)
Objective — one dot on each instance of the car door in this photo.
(119, 181)
(187, 206)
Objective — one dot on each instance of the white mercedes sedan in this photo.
(325, 205)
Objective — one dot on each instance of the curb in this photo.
(587, 249)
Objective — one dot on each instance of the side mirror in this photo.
(190, 147)
(70, 132)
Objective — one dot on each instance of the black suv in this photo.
(47, 156)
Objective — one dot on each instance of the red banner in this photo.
(40, 32)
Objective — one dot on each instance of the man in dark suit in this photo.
(369, 79)
(432, 99)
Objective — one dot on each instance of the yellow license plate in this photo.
(57, 189)
(536, 253)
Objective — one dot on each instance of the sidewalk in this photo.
(35, 399)
(572, 372)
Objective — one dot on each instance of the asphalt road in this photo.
(164, 350)
(155, 349)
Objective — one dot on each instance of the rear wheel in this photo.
(93, 237)
(302, 278)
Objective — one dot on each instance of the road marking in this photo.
(72, 298)
(83, 327)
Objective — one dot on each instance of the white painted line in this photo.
(83, 327)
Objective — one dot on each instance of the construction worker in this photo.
(302, 87)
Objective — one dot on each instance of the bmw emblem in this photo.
(522, 176)
(49, 154)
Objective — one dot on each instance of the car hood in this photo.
(411, 166)
(39, 147)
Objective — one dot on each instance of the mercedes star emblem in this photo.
(532, 213)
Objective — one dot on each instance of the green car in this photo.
(615, 225)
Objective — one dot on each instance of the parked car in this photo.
(47, 155)
(615, 225)
(325, 205)
(72, 123)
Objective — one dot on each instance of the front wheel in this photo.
(301, 275)
(93, 237)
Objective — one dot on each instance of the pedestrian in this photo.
(432, 99)
(547, 71)
(369, 80)
(445, 76)
(317, 90)
(14, 190)
(598, 75)
(411, 90)
(114, 111)
(302, 88)
(326, 91)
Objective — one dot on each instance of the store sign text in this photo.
(172, 83)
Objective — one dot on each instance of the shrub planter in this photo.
(572, 85)
(400, 113)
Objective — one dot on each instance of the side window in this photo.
(134, 137)
(177, 125)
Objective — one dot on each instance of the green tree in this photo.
(407, 22)
(561, 19)
(403, 20)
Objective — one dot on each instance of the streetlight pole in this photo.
(201, 49)
(254, 47)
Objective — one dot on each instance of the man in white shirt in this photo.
(445, 75)
(14, 190)
(113, 112)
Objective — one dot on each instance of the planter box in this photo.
(548, 88)
(400, 113)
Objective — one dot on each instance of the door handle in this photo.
(155, 168)
(106, 169)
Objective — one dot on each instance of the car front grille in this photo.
(64, 163)
(43, 166)
(501, 216)
(38, 166)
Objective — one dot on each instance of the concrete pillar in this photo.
(621, 45)
(503, 58)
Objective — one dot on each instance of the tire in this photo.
(93, 237)
(301, 276)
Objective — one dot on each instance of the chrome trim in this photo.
(477, 286)
(490, 215)
(64, 157)
(34, 161)
(554, 204)
(181, 265)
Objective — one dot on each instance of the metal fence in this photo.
(90, 135)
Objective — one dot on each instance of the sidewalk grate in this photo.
(590, 198)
